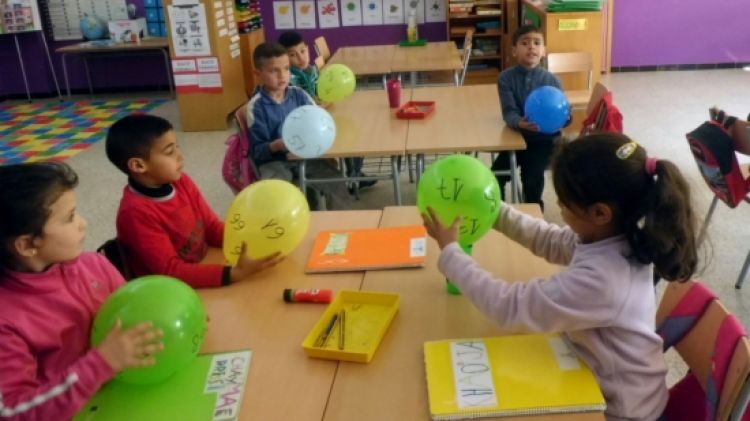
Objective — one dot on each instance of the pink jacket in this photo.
(603, 301)
(47, 369)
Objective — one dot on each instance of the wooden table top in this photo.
(89, 47)
(434, 56)
(365, 60)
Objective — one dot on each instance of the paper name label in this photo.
(337, 245)
(226, 378)
(418, 247)
(473, 374)
(565, 355)
(572, 24)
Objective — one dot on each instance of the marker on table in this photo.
(323, 338)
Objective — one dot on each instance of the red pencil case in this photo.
(416, 109)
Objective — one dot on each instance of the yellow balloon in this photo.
(269, 216)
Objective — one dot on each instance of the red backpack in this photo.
(238, 168)
(605, 117)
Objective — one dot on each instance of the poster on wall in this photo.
(418, 5)
(372, 12)
(283, 14)
(393, 12)
(328, 14)
(19, 16)
(304, 14)
(351, 13)
(189, 29)
(434, 10)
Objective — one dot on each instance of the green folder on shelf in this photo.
(574, 5)
(210, 388)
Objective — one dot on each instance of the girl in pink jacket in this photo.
(625, 211)
(50, 292)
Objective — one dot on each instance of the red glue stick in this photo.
(308, 295)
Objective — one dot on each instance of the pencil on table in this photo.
(342, 328)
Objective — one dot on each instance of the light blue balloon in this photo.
(308, 131)
(548, 108)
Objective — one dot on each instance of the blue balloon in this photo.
(308, 131)
(548, 108)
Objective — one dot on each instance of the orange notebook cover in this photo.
(367, 249)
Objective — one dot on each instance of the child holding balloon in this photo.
(164, 224)
(514, 86)
(274, 100)
(625, 212)
(50, 291)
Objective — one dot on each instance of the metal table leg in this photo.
(420, 168)
(88, 74)
(23, 68)
(513, 178)
(396, 179)
(169, 72)
(303, 177)
(65, 73)
(51, 66)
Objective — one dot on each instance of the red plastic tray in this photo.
(416, 109)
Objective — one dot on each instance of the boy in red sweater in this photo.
(164, 224)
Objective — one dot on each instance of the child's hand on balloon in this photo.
(247, 266)
(528, 125)
(278, 146)
(134, 347)
(442, 234)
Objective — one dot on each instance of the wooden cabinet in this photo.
(248, 42)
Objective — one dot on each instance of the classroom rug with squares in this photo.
(59, 130)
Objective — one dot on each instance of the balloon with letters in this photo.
(308, 131)
(168, 303)
(269, 216)
(548, 108)
(461, 185)
(336, 82)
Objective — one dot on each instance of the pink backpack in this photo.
(238, 168)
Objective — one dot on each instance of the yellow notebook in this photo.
(508, 376)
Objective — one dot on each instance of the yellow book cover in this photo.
(508, 376)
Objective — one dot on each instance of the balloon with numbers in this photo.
(308, 131)
(461, 185)
(269, 216)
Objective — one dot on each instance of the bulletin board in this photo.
(19, 16)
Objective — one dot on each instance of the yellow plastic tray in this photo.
(368, 315)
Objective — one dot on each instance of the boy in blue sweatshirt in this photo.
(266, 111)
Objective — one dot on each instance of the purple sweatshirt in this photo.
(603, 302)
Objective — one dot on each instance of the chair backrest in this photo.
(716, 351)
(680, 308)
(112, 250)
(321, 48)
(466, 54)
(319, 62)
(713, 150)
(573, 62)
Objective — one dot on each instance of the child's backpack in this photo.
(238, 168)
(604, 118)
(713, 150)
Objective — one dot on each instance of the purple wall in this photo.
(654, 32)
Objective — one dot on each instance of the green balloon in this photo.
(461, 185)
(336, 82)
(172, 306)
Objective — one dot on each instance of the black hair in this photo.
(132, 137)
(290, 39)
(266, 51)
(652, 210)
(26, 193)
(523, 30)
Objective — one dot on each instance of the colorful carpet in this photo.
(57, 131)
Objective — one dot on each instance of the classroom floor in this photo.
(658, 109)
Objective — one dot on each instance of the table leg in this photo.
(413, 77)
(88, 74)
(385, 81)
(23, 68)
(169, 72)
(456, 78)
(65, 73)
(51, 66)
(513, 178)
(396, 179)
(303, 177)
(420, 168)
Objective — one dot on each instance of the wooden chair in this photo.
(716, 350)
(321, 48)
(450, 77)
(319, 62)
(577, 62)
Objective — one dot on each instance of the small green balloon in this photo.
(336, 82)
(172, 306)
(461, 185)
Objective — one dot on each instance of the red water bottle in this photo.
(394, 93)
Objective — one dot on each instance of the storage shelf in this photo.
(473, 16)
(487, 34)
(485, 57)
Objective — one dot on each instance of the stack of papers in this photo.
(574, 5)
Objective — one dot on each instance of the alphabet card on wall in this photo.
(304, 14)
(393, 12)
(210, 388)
(351, 13)
(372, 12)
(283, 14)
(328, 14)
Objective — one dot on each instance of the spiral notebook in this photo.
(368, 249)
(508, 376)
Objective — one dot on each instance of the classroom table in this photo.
(146, 46)
(283, 383)
(393, 386)
(466, 118)
(365, 126)
(366, 60)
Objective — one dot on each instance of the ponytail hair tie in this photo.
(651, 165)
